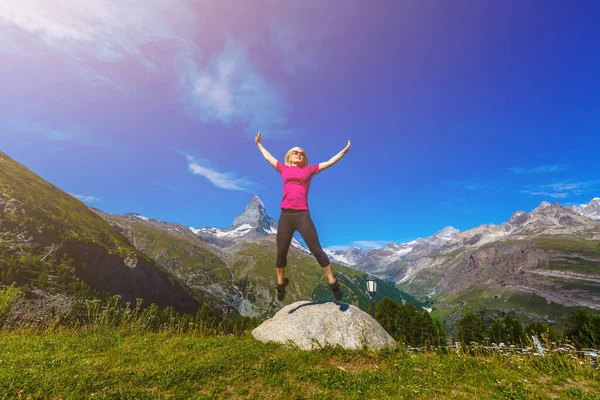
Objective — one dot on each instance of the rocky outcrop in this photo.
(311, 325)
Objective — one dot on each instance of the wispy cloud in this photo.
(109, 30)
(229, 90)
(85, 199)
(223, 180)
(472, 185)
(161, 35)
(561, 190)
(541, 169)
(25, 128)
(96, 79)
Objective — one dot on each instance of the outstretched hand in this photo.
(257, 138)
(347, 147)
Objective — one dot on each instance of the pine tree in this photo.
(471, 328)
(512, 331)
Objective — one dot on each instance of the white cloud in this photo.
(541, 169)
(221, 180)
(230, 90)
(85, 199)
(470, 185)
(560, 190)
(109, 30)
(159, 34)
(25, 128)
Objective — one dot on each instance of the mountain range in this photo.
(50, 242)
(538, 264)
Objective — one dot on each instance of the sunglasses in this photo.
(297, 153)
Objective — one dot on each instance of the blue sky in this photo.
(460, 113)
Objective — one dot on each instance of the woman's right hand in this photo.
(257, 138)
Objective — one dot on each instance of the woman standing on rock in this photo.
(295, 216)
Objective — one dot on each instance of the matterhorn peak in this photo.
(255, 199)
(255, 215)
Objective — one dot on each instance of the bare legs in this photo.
(327, 270)
(329, 274)
(280, 275)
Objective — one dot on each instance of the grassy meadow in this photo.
(121, 364)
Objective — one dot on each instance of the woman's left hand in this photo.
(347, 147)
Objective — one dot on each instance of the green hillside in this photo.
(253, 267)
(244, 277)
(88, 259)
(541, 278)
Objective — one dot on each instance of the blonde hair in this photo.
(288, 155)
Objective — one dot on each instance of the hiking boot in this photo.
(336, 290)
(281, 289)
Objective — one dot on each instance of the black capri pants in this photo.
(297, 220)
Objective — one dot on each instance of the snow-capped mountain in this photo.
(253, 223)
(347, 257)
(255, 216)
(590, 210)
(546, 219)
(532, 253)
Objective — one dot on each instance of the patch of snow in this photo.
(339, 258)
(296, 243)
(141, 217)
(403, 251)
(239, 231)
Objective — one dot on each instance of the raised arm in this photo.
(264, 151)
(334, 159)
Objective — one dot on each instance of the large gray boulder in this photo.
(311, 325)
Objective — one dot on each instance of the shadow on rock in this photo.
(343, 307)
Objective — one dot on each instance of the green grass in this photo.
(575, 264)
(190, 252)
(496, 301)
(116, 365)
(569, 244)
(57, 214)
(576, 284)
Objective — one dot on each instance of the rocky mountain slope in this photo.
(51, 241)
(236, 264)
(539, 264)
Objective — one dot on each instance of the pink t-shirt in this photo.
(296, 182)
